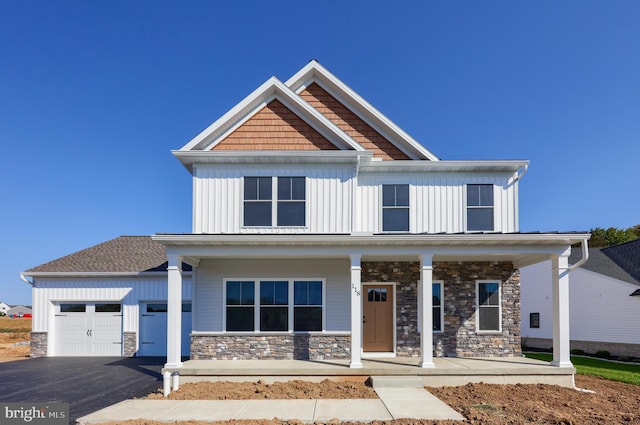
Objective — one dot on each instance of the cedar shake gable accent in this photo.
(351, 124)
(275, 127)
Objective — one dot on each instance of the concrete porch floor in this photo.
(448, 371)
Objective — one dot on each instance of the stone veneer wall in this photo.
(129, 344)
(274, 347)
(459, 338)
(38, 346)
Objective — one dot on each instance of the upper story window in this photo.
(395, 207)
(480, 207)
(260, 208)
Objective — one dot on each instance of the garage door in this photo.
(153, 329)
(88, 329)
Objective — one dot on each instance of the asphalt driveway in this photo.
(86, 383)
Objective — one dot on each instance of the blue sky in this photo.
(94, 95)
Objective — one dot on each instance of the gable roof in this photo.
(290, 95)
(123, 255)
(627, 256)
(601, 262)
(313, 72)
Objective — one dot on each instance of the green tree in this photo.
(601, 238)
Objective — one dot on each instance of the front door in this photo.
(377, 327)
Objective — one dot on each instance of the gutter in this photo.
(585, 256)
(519, 174)
(25, 280)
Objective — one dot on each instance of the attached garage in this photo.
(88, 329)
(153, 329)
(107, 300)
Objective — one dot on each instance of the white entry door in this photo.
(88, 329)
(153, 329)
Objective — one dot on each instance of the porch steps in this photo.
(405, 397)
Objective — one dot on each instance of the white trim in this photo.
(477, 307)
(274, 203)
(314, 72)
(465, 217)
(256, 306)
(441, 282)
(382, 207)
(395, 319)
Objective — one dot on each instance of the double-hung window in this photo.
(240, 305)
(274, 301)
(274, 201)
(395, 208)
(480, 207)
(438, 307)
(270, 305)
(489, 310)
(307, 299)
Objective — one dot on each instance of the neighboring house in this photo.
(19, 311)
(604, 302)
(4, 308)
(320, 230)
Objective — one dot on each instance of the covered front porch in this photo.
(461, 262)
(447, 371)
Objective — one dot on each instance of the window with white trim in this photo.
(395, 207)
(274, 305)
(480, 207)
(437, 300)
(489, 309)
(288, 209)
(438, 306)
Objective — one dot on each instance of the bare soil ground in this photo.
(12, 332)
(613, 403)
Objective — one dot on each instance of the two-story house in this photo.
(321, 230)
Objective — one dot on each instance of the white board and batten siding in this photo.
(218, 198)
(212, 274)
(437, 202)
(600, 307)
(129, 292)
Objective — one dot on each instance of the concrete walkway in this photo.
(400, 397)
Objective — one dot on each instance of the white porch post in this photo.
(356, 311)
(560, 295)
(174, 311)
(426, 335)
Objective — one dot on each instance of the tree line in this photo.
(602, 238)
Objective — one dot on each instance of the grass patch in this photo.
(15, 330)
(629, 373)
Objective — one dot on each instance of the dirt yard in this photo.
(614, 403)
(12, 332)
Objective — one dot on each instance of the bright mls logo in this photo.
(34, 413)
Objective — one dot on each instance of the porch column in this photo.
(174, 311)
(426, 336)
(560, 295)
(356, 311)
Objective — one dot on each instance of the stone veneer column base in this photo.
(129, 340)
(270, 347)
(38, 346)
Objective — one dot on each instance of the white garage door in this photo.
(88, 329)
(153, 329)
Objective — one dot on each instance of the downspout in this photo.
(585, 256)
(520, 174)
(25, 280)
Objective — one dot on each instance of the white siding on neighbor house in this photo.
(128, 291)
(600, 307)
(437, 202)
(218, 197)
(211, 275)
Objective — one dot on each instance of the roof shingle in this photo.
(122, 254)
